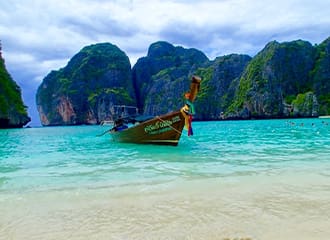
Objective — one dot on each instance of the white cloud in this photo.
(39, 36)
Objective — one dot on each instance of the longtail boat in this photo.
(162, 130)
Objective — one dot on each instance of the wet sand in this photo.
(290, 205)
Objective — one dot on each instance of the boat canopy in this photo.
(129, 114)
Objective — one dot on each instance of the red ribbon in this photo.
(190, 130)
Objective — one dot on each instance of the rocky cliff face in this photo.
(321, 76)
(290, 79)
(273, 80)
(282, 80)
(161, 78)
(13, 112)
(220, 81)
(84, 91)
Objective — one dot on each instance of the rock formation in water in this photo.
(161, 78)
(13, 112)
(290, 79)
(321, 76)
(277, 83)
(85, 91)
(220, 81)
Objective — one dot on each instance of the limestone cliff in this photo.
(273, 80)
(220, 80)
(161, 78)
(321, 76)
(290, 79)
(84, 91)
(13, 112)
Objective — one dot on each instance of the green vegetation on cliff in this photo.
(219, 84)
(305, 104)
(321, 76)
(12, 109)
(83, 92)
(273, 79)
(161, 78)
(290, 79)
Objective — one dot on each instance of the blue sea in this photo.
(246, 180)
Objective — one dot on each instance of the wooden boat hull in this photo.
(163, 130)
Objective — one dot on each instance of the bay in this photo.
(265, 179)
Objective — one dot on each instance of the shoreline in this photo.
(285, 206)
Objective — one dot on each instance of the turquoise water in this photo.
(227, 178)
(36, 159)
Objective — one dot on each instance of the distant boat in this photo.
(107, 122)
(162, 130)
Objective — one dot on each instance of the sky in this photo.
(39, 36)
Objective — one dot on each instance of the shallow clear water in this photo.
(235, 179)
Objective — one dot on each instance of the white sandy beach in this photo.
(256, 207)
